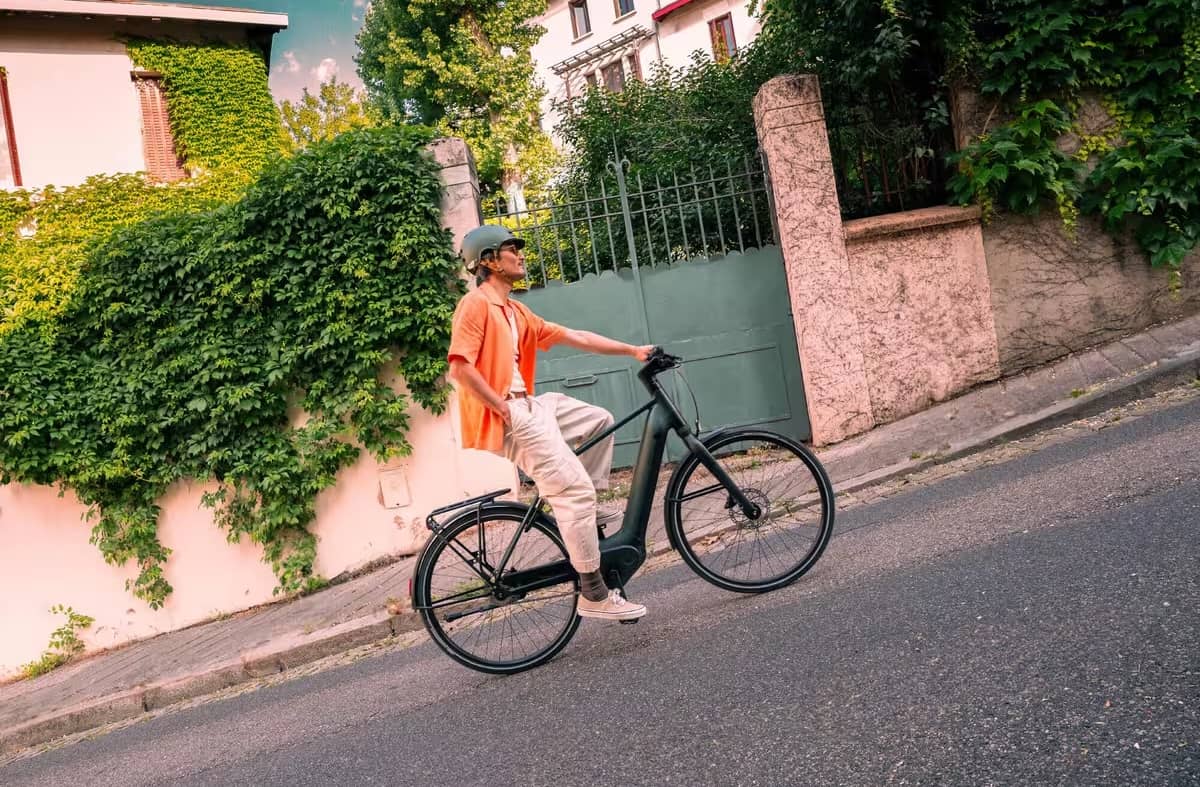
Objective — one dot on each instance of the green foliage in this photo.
(335, 109)
(674, 120)
(464, 68)
(1152, 184)
(222, 114)
(243, 344)
(880, 67)
(46, 234)
(64, 643)
(1018, 166)
(1144, 58)
(225, 123)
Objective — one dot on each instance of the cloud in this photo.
(326, 69)
(289, 64)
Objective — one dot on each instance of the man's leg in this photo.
(579, 421)
(537, 445)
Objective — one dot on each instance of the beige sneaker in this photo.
(612, 608)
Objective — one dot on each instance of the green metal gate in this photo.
(688, 262)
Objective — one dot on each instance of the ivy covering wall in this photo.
(231, 328)
(1038, 61)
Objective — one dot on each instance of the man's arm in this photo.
(467, 375)
(595, 343)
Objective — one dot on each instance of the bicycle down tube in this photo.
(626, 547)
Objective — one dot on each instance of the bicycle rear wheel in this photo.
(724, 546)
(469, 614)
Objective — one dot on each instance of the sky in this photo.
(318, 43)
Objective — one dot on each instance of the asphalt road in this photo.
(1033, 622)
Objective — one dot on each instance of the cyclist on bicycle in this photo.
(493, 353)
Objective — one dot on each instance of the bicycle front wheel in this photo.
(468, 612)
(727, 548)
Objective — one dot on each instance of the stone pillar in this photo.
(461, 208)
(791, 129)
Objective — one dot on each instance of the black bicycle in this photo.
(749, 510)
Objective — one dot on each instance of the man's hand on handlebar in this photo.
(644, 352)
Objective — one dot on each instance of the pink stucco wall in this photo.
(47, 560)
(372, 512)
(922, 300)
(891, 313)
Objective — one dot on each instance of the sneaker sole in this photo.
(612, 615)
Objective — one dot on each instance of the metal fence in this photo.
(886, 163)
(632, 218)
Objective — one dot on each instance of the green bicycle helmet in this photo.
(483, 239)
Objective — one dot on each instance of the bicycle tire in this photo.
(541, 544)
(728, 527)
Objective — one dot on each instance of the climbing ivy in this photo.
(222, 115)
(1143, 58)
(225, 123)
(242, 344)
(46, 234)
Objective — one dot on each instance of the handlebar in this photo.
(658, 362)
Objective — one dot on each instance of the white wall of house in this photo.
(74, 108)
(670, 42)
(687, 29)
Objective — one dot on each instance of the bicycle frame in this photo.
(623, 553)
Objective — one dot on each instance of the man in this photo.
(493, 352)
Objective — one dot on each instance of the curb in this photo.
(286, 653)
(1157, 377)
(294, 650)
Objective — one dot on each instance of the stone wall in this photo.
(1053, 296)
(921, 298)
(891, 313)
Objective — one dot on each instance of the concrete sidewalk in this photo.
(154, 673)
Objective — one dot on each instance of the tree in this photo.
(335, 109)
(463, 67)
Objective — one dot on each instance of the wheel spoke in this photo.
(502, 633)
(724, 545)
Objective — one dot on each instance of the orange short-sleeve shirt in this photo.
(481, 336)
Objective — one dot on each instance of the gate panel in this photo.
(690, 266)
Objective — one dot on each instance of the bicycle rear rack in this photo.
(431, 521)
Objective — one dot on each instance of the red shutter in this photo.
(158, 145)
(9, 133)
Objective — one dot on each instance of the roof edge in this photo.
(149, 10)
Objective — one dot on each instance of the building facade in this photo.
(609, 42)
(72, 103)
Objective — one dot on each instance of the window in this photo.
(591, 78)
(581, 23)
(623, 7)
(723, 43)
(10, 166)
(158, 144)
(614, 77)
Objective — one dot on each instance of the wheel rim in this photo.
(780, 544)
(476, 620)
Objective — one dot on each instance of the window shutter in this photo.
(10, 167)
(162, 161)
